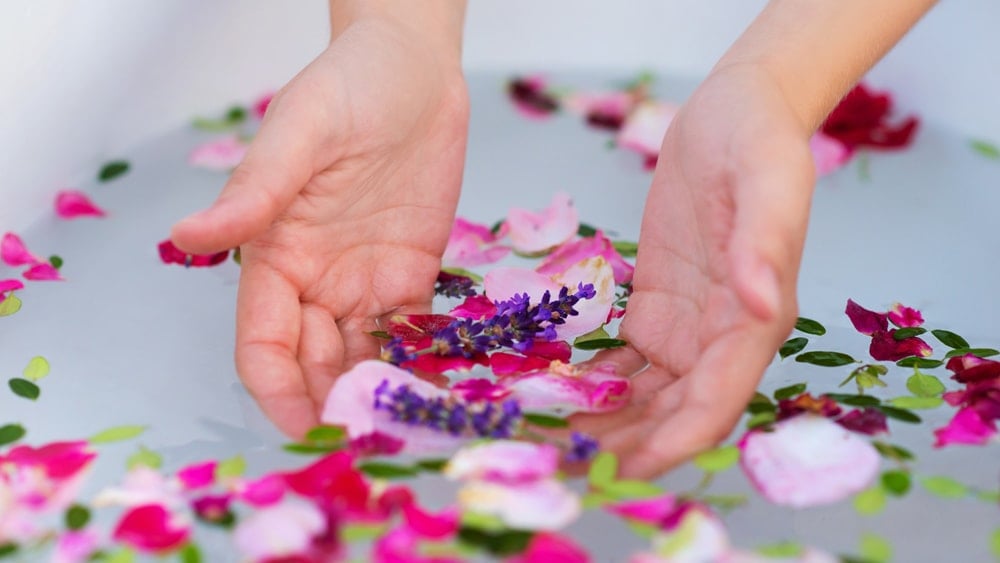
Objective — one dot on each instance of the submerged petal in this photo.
(569, 389)
(539, 505)
(865, 321)
(504, 461)
(645, 127)
(73, 203)
(220, 154)
(14, 252)
(574, 252)
(532, 232)
(966, 427)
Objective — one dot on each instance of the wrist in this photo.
(436, 23)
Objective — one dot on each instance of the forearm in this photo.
(439, 21)
(817, 49)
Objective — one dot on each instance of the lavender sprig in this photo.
(484, 419)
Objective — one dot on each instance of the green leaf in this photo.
(809, 326)
(875, 548)
(123, 555)
(117, 434)
(482, 521)
(908, 402)
(892, 451)
(432, 465)
(631, 489)
(381, 334)
(594, 500)
(760, 419)
(238, 256)
(899, 414)
(10, 305)
(10, 433)
(995, 543)
(77, 516)
(545, 420)
(981, 352)
(896, 482)
(985, 148)
(600, 344)
(597, 334)
(910, 332)
(924, 385)
(870, 501)
(38, 367)
(586, 230)
(603, 470)
(944, 487)
(145, 457)
(112, 170)
(992, 497)
(190, 554)
(792, 346)
(626, 248)
(918, 362)
(356, 533)
(464, 273)
(8, 549)
(56, 261)
(310, 449)
(950, 339)
(24, 388)
(231, 468)
(717, 459)
(789, 391)
(507, 542)
(724, 502)
(854, 400)
(383, 470)
(781, 550)
(825, 359)
(236, 114)
(326, 434)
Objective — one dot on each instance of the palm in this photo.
(731, 192)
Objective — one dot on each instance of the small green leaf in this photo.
(432, 465)
(789, 391)
(854, 400)
(896, 482)
(190, 554)
(24, 388)
(594, 500)
(10, 433)
(123, 555)
(992, 497)
(507, 542)
(825, 359)
(600, 344)
(495, 229)
(781, 550)
(356, 533)
(383, 470)
(381, 334)
(231, 468)
(980, 352)
(717, 459)
(464, 273)
(545, 420)
(326, 434)
(724, 502)
(760, 419)
(38, 367)
(145, 457)
(985, 148)
(892, 451)
(899, 414)
(56, 261)
(924, 385)
(117, 434)
(309, 449)
(950, 339)
(112, 170)
(603, 470)
(870, 501)
(909, 402)
(626, 248)
(809, 326)
(10, 305)
(597, 334)
(236, 114)
(909, 332)
(77, 516)
(585, 230)
(8, 549)
(944, 487)
(792, 346)
(875, 548)
(238, 256)
(995, 543)
(482, 521)
(631, 489)
(918, 362)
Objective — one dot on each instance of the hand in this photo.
(342, 209)
(714, 288)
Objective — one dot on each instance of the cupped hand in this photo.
(715, 279)
(342, 209)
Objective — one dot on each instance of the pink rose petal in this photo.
(645, 127)
(504, 461)
(966, 427)
(574, 252)
(8, 286)
(551, 548)
(221, 154)
(71, 204)
(75, 546)
(198, 475)
(264, 491)
(170, 254)
(471, 244)
(15, 253)
(905, 317)
(474, 307)
(151, 528)
(570, 389)
(261, 105)
(282, 530)
(829, 154)
(531, 232)
(43, 271)
(865, 321)
(649, 510)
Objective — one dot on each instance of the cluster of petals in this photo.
(471, 244)
(884, 344)
(15, 253)
(975, 422)
(861, 119)
(71, 204)
(515, 482)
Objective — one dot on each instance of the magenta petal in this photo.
(43, 271)
(829, 154)
(151, 529)
(885, 348)
(73, 203)
(865, 321)
(474, 307)
(14, 252)
(649, 510)
(479, 389)
(503, 363)
(170, 254)
(471, 244)
(432, 526)
(197, 475)
(547, 547)
(571, 253)
(265, 491)
(375, 443)
(261, 105)
(966, 427)
(10, 285)
(905, 317)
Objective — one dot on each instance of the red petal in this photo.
(475, 307)
(170, 254)
(550, 350)
(503, 363)
(412, 328)
(148, 528)
(885, 348)
(72, 203)
(868, 421)
(865, 321)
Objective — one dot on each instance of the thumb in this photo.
(769, 228)
(277, 165)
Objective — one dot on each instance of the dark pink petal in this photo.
(151, 528)
(73, 203)
(885, 348)
(212, 508)
(43, 271)
(333, 479)
(547, 547)
(868, 421)
(402, 545)
(431, 526)
(198, 475)
(479, 389)
(861, 119)
(649, 510)
(970, 369)
(550, 350)
(433, 363)
(413, 328)
(264, 491)
(865, 321)
(170, 254)
(475, 307)
(58, 460)
(15, 253)
(905, 317)
(503, 363)
(966, 427)
(261, 105)
(573, 252)
(7, 286)
(375, 443)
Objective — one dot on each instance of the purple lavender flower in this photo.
(485, 419)
(582, 448)
(452, 285)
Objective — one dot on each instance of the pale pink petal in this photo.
(471, 244)
(582, 103)
(42, 271)
(573, 252)
(73, 203)
(531, 232)
(966, 427)
(645, 127)
(15, 253)
(220, 154)
(593, 312)
(500, 284)
(277, 531)
(539, 505)
(569, 389)
(698, 536)
(75, 546)
(142, 485)
(808, 461)
(829, 154)
(504, 461)
(351, 404)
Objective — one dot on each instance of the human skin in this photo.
(344, 202)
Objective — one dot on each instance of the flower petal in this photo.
(905, 317)
(652, 510)
(865, 321)
(475, 307)
(73, 203)
(471, 244)
(531, 232)
(220, 154)
(504, 461)
(43, 271)
(170, 254)
(571, 253)
(829, 154)
(570, 389)
(885, 348)
(539, 505)
(551, 548)
(151, 528)
(645, 127)
(592, 312)
(278, 531)
(15, 253)
(966, 427)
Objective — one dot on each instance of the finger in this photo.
(268, 320)
(359, 344)
(321, 351)
(277, 166)
(772, 212)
